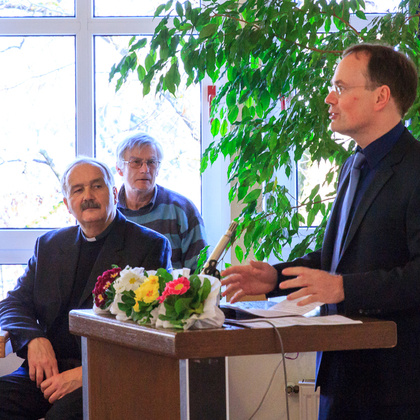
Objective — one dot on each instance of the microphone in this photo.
(211, 263)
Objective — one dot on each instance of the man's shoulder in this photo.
(58, 235)
(136, 231)
(167, 196)
(409, 147)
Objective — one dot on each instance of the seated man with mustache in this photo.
(60, 277)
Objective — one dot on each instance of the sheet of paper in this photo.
(294, 320)
(279, 309)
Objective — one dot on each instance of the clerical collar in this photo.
(101, 235)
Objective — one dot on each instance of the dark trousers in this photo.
(20, 399)
(329, 409)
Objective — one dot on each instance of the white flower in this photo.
(129, 279)
(181, 272)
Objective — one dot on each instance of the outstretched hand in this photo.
(253, 279)
(317, 285)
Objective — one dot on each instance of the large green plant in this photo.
(259, 51)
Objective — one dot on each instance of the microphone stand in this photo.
(211, 263)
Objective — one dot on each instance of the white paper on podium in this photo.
(269, 309)
(288, 321)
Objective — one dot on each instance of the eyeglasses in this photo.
(138, 163)
(339, 90)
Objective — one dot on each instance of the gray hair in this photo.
(138, 140)
(108, 176)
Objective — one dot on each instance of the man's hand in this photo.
(41, 360)
(61, 384)
(254, 279)
(318, 285)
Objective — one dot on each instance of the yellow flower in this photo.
(148, 292)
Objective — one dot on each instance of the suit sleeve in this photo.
(159, 255)
(17, 310)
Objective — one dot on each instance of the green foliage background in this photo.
(259, 51)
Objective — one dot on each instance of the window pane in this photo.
(129, 7)
(8, 278)
(37, 129)
(26, 8)
(309, 175)
(175, 123)
(381, 6)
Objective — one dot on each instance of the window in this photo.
(57, 103)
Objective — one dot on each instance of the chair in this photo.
(5, 346)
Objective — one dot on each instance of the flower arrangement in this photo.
(159, 298)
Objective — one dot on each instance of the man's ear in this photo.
(67, 204)
(120, 172)
(383, 97)
(115, 193)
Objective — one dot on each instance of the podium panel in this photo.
(133, 371)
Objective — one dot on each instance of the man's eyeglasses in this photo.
(138, 163)
(339, 90)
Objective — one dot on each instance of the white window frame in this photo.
(16, 245)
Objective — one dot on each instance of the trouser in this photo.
(331, 409)
(20, 399)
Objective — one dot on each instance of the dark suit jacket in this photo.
(381, 272)
(30, 310)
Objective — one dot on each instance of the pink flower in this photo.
(175, 287)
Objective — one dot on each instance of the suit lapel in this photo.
(384, 173)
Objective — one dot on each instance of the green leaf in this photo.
(253, 195)
(208, 30)
(141, 72)
(224, 128)
(141, 43)
(239, 253)
(159, 10)
(265, 99)
(233, 114)
(179, 9)
(361, 14)
(149, 61)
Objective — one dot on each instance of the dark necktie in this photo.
(359, 160)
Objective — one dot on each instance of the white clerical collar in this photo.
(101, 235)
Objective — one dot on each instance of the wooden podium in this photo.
(132, 371)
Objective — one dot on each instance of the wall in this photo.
(249, 377)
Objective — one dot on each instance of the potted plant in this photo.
(272, 62)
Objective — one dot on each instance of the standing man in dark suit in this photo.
(374, 269)
(60, 277)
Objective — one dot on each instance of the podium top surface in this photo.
(233, 340)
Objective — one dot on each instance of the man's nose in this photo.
(88, 193)
(331, 98)
(144, 167)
